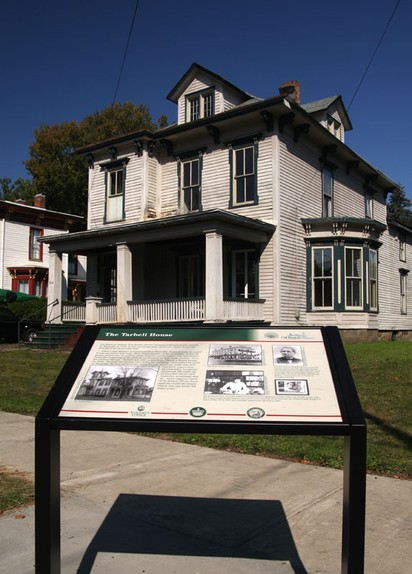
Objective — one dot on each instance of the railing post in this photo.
(91, 309)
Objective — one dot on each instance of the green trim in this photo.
(339, 255)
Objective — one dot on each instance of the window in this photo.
(373, 280)
(368, 204)
(353, 277)
(402, 248)
(189, 276)
(342, 277)
(72, 264)
(23, 286)
(115, 194)
(191, 185)
(199, 105)
(403, 292)
(244, 275)
(244, 176)
(327, 192)
(35, 247)
(322, 280)
(334, 126)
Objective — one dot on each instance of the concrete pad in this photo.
(137, 504)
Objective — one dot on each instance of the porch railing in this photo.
(106, 313)
(172, 310)
(73, 312)
(243, 309)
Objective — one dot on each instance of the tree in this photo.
(399, 207)
(61, 174)
(18, 189)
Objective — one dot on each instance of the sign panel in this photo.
(278, 375)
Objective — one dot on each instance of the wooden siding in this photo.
(390, 316)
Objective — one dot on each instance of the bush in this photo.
(30, 309)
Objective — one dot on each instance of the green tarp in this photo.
(13, 296)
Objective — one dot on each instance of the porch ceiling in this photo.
(188, 225)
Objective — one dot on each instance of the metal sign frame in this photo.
(49, 424)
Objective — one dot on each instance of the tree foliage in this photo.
(61, 174)
(18, 189)
(399, 207)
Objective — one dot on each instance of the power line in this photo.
(125, 51)
(374, 53)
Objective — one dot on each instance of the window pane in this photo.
(186, 174)
(240, 190)
(239, 162)
(249, 160)
(195, 172)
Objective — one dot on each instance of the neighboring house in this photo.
(24, 259)
(247, 210)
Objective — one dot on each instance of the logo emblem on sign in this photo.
(255, 413)
(197, 412)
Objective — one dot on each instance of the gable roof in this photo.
(325, 103)
(191, 73)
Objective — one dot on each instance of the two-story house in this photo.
(246, 209)
(24, 259)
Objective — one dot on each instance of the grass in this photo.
(16, 489)
(382, 373)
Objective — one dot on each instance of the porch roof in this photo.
(189, 225)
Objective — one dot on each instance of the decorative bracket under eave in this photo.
(299, 130)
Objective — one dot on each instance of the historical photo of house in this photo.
(291, 387)
(287, 355)
(234, 383)
(235, 354)
(123, 383)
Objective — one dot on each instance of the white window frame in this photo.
(322, 279)
(190, 186)
(35, 247)
(242, 176)
(334, 126)
(403, 293)
(352, 279)
(249, 265)
(368, 204)
(373, 279)
(328, 184)
(115, 194)
(402, 248)
(200, 105)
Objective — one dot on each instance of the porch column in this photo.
(124, 281)
(92, 316)
(54, 289)
(214, 277)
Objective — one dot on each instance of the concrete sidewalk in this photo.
(140, 505)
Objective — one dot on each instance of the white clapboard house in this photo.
(244, 210)
(24, 259)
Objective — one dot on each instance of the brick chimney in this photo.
(291, 90)
(40, 200)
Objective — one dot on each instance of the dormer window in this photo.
(200, 105)
(334, 126)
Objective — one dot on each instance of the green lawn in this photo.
(382, 372)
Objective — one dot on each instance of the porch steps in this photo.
(57, 336)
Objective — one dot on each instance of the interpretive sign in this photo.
(210, 374)
(266, 380)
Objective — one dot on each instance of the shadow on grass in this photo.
(396, 433)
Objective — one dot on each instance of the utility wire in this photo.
(125, 51)
(374, 53)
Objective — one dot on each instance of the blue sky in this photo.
(60, 61)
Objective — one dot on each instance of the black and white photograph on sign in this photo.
(287, 355)
(123, 383)
(235, 354)
(291, 387)
(234, 383)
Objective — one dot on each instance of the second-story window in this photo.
(200, 105)
(35, 247)
(115, 194)
(327, 192)
(244, 176)
(402, 248)
(190, 184)
(368, 203)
